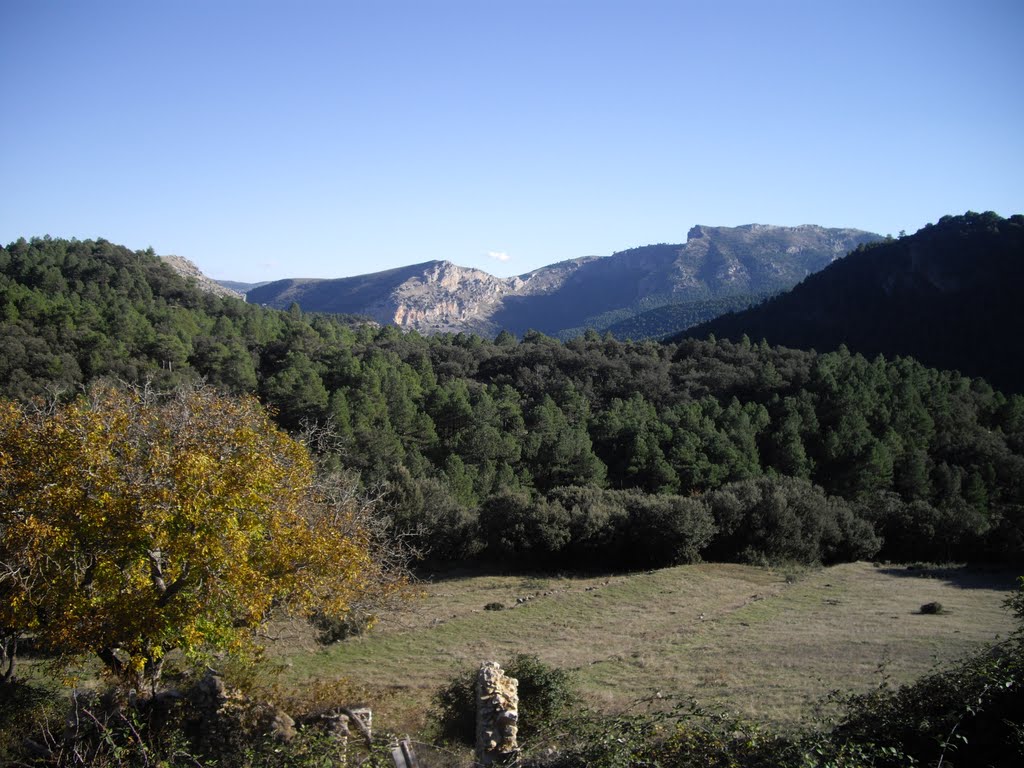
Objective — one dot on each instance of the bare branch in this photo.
(156, 571)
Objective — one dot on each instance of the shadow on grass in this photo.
(499, 570)
(1001, 577)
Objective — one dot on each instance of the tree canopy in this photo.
(132, 524)
(452, 427)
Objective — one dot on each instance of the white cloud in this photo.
(499, 255)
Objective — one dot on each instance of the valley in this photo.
(473, 384)
(755, 511)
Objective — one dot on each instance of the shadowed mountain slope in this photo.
(949, 295)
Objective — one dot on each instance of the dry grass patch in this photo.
(849, 627)
(740, 636)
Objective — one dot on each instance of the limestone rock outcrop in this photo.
(189, 270)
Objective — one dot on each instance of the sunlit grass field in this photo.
(768, 643)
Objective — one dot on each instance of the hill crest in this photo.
(595, 291)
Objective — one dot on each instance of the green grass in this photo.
(767, 643)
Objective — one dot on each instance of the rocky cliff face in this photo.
(187, 269)
(434, 297)
(439, 296)
(760, 256)
(445, 297)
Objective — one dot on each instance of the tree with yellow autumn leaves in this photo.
(133, 524)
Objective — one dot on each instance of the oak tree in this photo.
(132, 524)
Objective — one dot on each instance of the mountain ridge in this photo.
(589, 291)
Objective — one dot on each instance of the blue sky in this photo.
(322, 139)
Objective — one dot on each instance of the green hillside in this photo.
(618, 462)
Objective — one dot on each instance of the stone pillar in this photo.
(497, 716)
(336, 725)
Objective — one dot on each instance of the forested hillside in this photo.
(591, 453)
(948, 295)
(666, 320)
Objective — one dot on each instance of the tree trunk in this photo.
(144, 683)
(114, 664)
(151, 672)
(8, 658)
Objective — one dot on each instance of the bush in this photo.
(665, 530)
(544, 692)
(22, 707)
(517, 526)
(632, 530)
(674, 735)
(773, 519)
(334, 629)
(918, 530)
(973, 714)
(454, 714)
(205, 726)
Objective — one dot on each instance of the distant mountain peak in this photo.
(591, 291)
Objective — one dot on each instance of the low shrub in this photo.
(22, 707)
(332, 630)
(210, 724)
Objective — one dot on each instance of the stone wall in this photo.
(497, 716)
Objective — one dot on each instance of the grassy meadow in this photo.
(768, 643)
